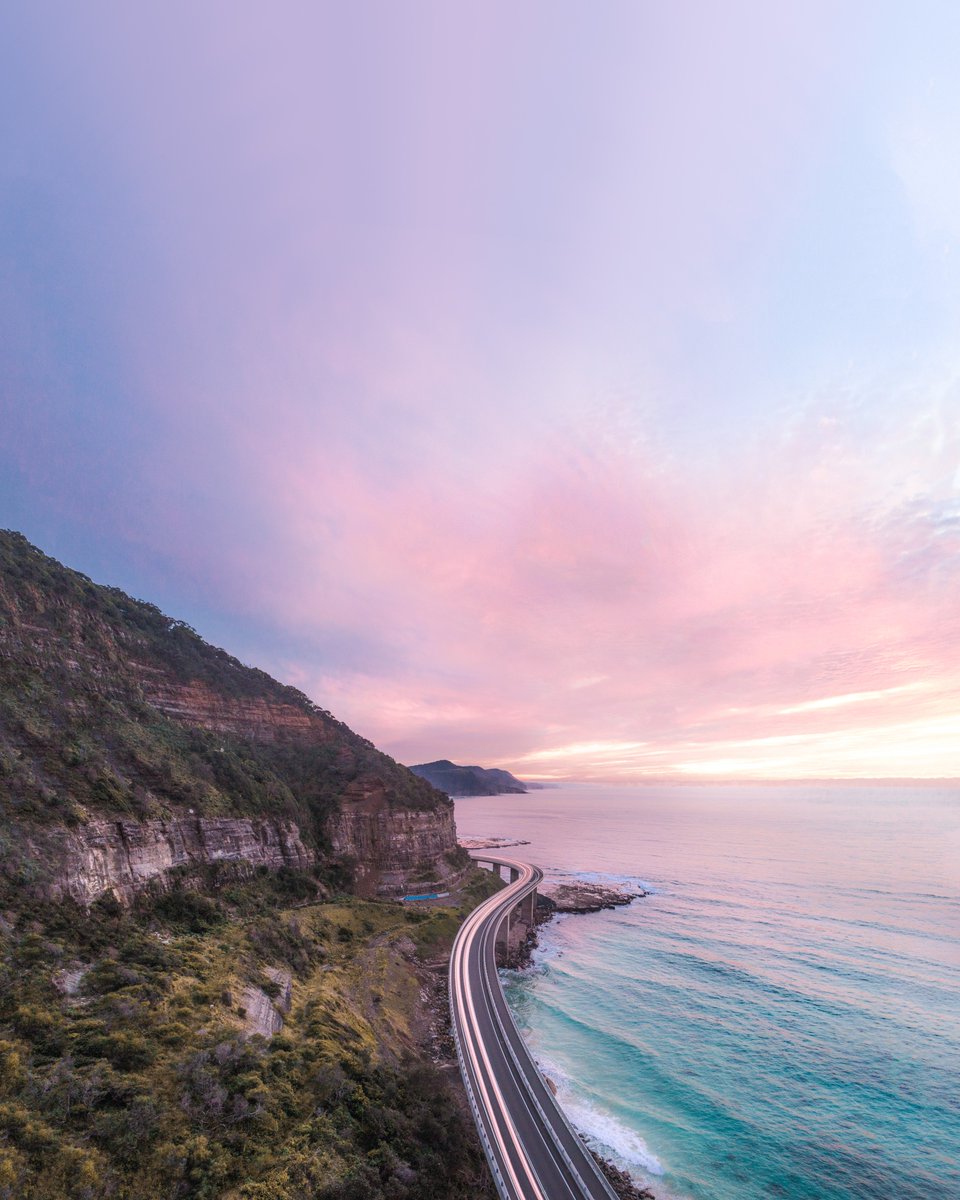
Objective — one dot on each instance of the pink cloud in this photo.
(607, 596)
(470, 387)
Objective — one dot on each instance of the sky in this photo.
(566, 387)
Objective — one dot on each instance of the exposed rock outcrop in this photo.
(263, 1014)
(254, 717)
(556, 896)
(581, 896)
(133, 752)
(385, 845)
(259, 1015)
(624, 1187)
(390, 844)
(125, 857)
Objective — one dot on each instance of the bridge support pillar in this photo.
(503, 942)
(514, 874)
(530, 907)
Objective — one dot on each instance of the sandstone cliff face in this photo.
(110, 708)
(392, 846)
(126, 857)
(388, 848)
(253, 717)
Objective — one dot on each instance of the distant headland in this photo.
(471, 781)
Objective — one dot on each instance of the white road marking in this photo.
(475, 1043)
(495, 1116)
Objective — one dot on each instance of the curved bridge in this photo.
(533, 1152)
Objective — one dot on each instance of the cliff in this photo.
(468, 781)
(124, 857)
(133, 754)
(190, 1003)
(236, 1042)
(392, 846)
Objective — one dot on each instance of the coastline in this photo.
(770, 909)
(569, 896)
(579, 898)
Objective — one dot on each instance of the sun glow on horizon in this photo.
(921, 749)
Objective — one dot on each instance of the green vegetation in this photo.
(95, 716)
(127, 1069)
(232, 1036)
(136, 1056)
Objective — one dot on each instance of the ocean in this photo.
(780, 1017)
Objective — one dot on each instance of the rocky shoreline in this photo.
(579, 896)
(567, 896)
(490, 843)
(620, 1181)
(576, 896)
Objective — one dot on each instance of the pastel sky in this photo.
(561, 386)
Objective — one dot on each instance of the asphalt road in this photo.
(532, 1150)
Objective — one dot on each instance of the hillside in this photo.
(130, 748)
(201, 997)
(468, 781)
(231, 1042)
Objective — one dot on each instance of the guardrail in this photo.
(481, 1128)
(524, 1070)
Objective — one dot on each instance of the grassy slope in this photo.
(143, 1085)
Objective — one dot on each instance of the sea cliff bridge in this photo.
(533, 1152)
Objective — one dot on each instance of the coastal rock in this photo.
(579, 896)
(491, 843)
(620, 1181)
(554, 896)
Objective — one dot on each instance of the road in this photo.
(532, 1150)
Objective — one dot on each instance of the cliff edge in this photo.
(134, 754)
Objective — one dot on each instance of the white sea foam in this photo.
(607, 878)
(604, 1132)
(609, 1135)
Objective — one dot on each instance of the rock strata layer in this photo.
(391, 845)
(125, 857)
(386, 846)
(133, 754)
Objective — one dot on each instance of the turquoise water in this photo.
(781, 1017)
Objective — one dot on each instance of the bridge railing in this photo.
(478, 1121)
(556, 1109)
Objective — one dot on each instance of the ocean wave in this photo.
(603, 1131)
